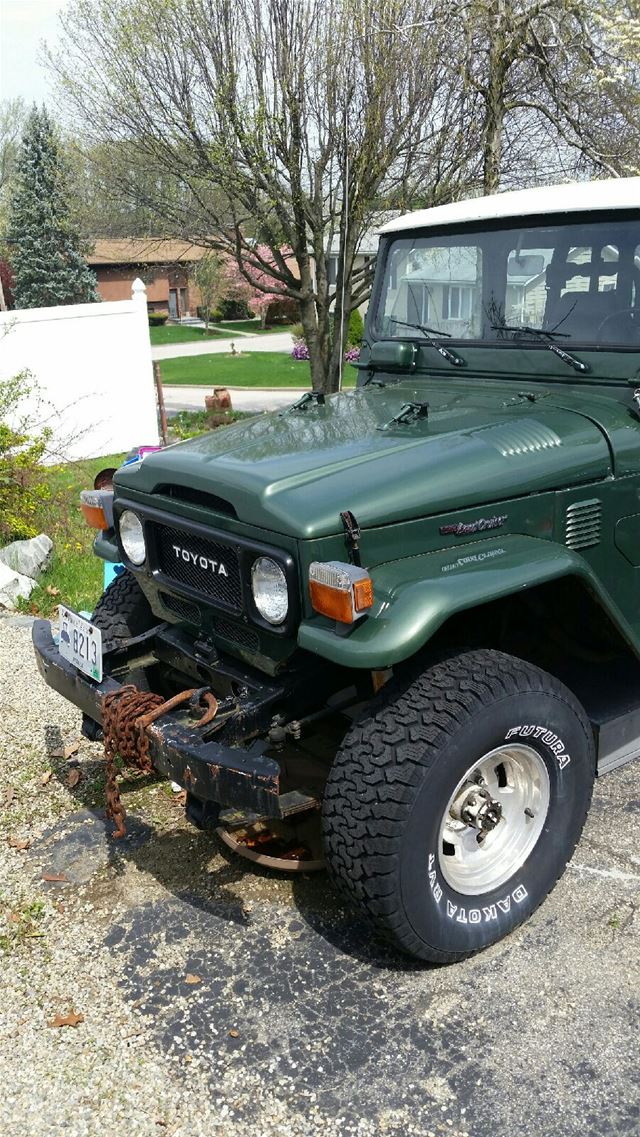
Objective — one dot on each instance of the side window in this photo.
(592, 270)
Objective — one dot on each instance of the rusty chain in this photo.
(126, 714)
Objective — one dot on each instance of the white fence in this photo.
(92, 366)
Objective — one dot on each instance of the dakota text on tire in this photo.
(456, 801)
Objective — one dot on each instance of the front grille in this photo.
(197, 562)
(583, 523)
(237, 634)
(182, 608)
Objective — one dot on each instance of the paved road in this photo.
(222, 1000)
(252, 399)
(279, 341)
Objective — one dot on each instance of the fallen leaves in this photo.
(46, 777)
(54, 877)
(233, 1033)
(19, 843)
(66, 750)
(73, 777)
(192, 979)
(70, 1019)
(52, 590)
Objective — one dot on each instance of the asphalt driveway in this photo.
(220, 999)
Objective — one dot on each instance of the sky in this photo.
(23, 26)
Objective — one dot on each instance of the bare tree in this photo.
(13, 113)
(211, 278)
(537, 79)
(286, 123)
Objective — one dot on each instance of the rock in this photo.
(29, 558)
(13, 586)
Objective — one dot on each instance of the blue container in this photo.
(111, 571)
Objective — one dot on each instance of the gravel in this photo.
(218, 999)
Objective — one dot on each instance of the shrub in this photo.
(232, 308)
(23, 443)
(356, 329)
(157, 319)
(352, 355)
(300, 350)
(297, 331)
(283, 311)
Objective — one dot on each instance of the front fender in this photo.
(414, 596)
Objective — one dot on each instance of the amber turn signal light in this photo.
(92, 505)
(343, 592)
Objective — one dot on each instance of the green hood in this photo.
(294, 472)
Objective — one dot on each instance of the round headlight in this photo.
(132, 537)
(270, 592)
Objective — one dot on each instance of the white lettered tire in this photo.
(455, 803)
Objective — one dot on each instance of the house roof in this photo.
(368, 243)
(574, 197)
(144, 250)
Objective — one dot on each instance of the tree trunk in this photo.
(314, 320)
(495, 100)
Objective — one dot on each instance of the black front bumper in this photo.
(244, 778)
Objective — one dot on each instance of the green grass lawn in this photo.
(75, 576)
(172, 333)
(176, 333)
(253, 326)
(253, 369)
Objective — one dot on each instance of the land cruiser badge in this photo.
(463, 529)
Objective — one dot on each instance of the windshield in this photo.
(580, 282)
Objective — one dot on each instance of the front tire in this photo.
(454, 805)
(122, 611)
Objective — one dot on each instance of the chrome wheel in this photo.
(493, 819)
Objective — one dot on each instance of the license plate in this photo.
(80, 643)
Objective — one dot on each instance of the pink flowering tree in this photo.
(256, 284)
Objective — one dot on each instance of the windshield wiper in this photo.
(431, 334)
(548, 337)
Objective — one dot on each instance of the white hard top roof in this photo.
(573, 197)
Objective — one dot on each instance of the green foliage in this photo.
(232, 308)
(12, 115)
(23, 483)
(297, 331)
(211, 279)
(356, 329)
(76, 574)
(157, 319)
(46, 254)
(189, 424)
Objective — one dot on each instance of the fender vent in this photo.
(583, 524)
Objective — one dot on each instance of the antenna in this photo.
(344, 250)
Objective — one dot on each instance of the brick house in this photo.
(164, 265)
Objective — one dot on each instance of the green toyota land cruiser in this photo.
(406, 616)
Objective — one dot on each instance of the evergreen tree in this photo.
(46, 253)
